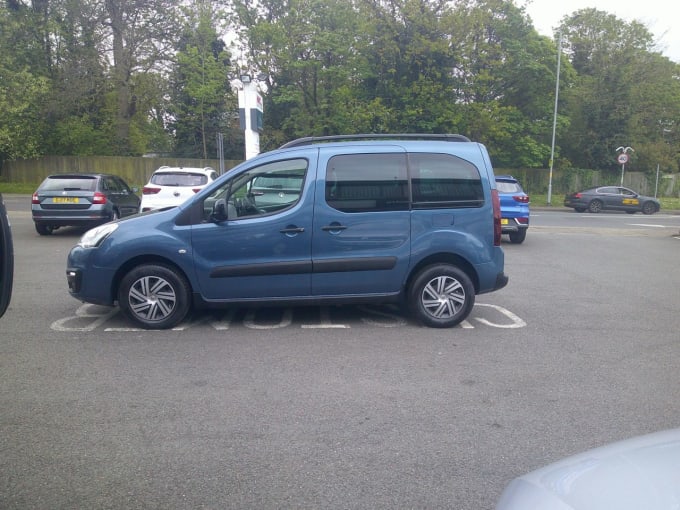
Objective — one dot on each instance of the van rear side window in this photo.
(379, 182)
(442, 180)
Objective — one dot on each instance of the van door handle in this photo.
(333, 228)
(292, 230)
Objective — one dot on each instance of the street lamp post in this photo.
(250, 111)
(622, 159)
(554, 127)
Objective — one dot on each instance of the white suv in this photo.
(170, 186)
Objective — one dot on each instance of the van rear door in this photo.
(361, 222)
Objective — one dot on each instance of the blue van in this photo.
(322, 220)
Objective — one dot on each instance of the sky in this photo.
(661, 17)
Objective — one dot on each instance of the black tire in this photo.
(154, 296)
(649, 208)
(6, 259)
(441, 296)
(595, 206)
(43, 229)
(519, 236)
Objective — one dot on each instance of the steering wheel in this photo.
(245, 206)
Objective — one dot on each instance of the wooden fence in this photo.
(136, 171)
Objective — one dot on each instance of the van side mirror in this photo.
(219, 211)
(6, 259)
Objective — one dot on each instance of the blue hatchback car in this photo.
(330, 220)
(514, 208)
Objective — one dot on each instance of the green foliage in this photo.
(625, 94)
(22, 123)
(120, 78)
(200, 85)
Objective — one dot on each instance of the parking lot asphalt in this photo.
(341, 407)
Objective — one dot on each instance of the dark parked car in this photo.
(615, 198)
(6, 259)
(85, 200)
(514, 208)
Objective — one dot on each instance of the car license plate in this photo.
(504, 221)
(65, 200)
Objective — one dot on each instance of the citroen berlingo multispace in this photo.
(413, 219)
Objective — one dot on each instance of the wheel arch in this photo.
(445, 258)
(146, 259)
(654, 205)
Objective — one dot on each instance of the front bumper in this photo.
(88, 281)
(74, 278)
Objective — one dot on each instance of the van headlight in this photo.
(94, 237)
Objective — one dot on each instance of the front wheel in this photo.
(441, 296)
(648, 208)
(154, 296)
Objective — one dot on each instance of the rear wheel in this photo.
(441, 296)
(154, 296)
(518, 237)
(43, 229)
(595, 206)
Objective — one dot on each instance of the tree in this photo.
(504, 81)
(307, 49)
(142, 35)
(625, 95)
(409, 63)
(24, 91)
(201, 91)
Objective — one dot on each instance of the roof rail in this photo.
(309, 140)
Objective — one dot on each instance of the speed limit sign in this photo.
(622, 159)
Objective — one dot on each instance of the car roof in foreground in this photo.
(641, 472)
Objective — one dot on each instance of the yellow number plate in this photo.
(65, 200)
(504, 221)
